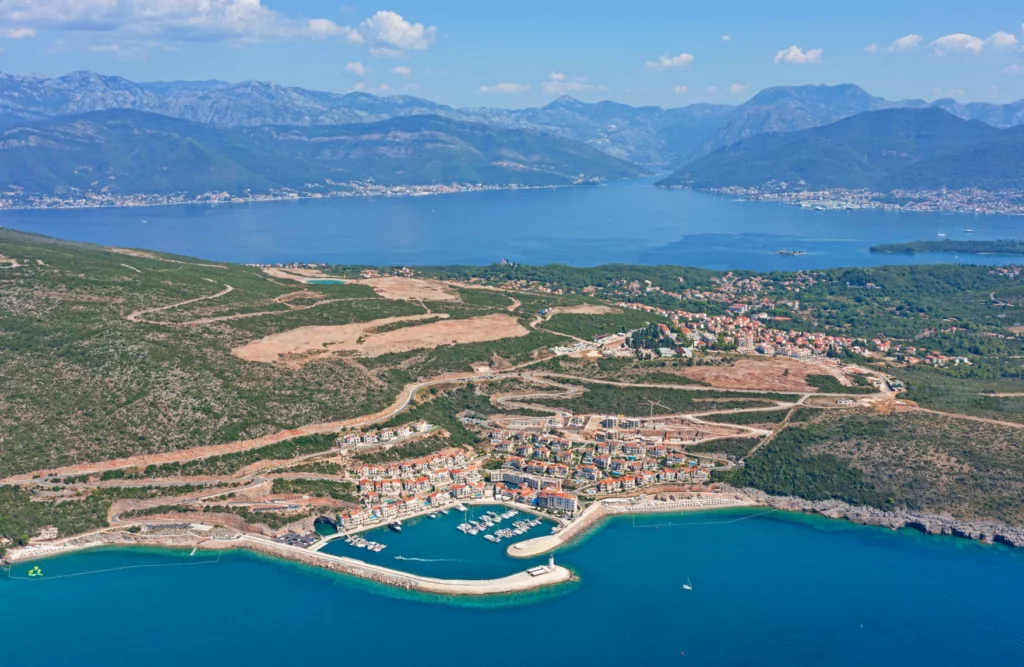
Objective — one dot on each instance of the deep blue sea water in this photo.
(780, 590)
(630, 221)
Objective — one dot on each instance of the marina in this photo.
(466, 542)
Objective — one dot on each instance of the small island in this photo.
(1001, 247)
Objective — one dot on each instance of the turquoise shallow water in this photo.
(779, 589)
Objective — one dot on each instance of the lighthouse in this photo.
(551, 561)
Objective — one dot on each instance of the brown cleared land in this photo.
(409, 289)
(304, 344)
(778, 374)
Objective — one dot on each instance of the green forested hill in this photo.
(883, 150)
(127, 152)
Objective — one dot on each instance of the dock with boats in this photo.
(491, 519)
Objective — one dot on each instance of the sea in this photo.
(627, 222)
(768, 589)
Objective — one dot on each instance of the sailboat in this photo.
(687, 586)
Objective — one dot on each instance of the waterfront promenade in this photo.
(612, 506)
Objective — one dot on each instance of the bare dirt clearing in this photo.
(299, 346)
(142, 254)
(299, 275)
(410, 289)
(778, 374)
(584, 309)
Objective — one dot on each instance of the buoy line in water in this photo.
(431, 560)
(41, 577)
(701, 523)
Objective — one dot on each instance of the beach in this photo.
(609, 507)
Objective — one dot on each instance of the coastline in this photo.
(297, 197)
(987, 532)
(515, 583)
(602, 509)
(219, 539)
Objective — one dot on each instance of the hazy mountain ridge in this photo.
(912, 148)
(648, 135)
(123, 151)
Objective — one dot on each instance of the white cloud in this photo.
(412, 87)
(384, 88)
(726, 38)
(557, 85)
(737, 88)
(794, 55)
(402, 71)
(905, 43)
(1001, 40)
(384, 52)
(17, 33)
(711, 89)
(670, 62)
(958, 43)
(948, 92)
(680, 90)
(356, 68)
(169, 20)
(1014, 69)
(971, 45)
(505, 88)
(359, 86)
(391, 29)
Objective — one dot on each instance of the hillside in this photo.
(128, 152)
(884, 150)
(648, 135)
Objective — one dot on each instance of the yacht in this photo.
(396, 525)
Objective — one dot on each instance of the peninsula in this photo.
(283, 408)
(970, 247)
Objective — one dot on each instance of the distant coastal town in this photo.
(15, 199)
(966, 200)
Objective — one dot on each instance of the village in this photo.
(542, 463)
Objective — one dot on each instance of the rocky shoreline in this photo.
(989, 532)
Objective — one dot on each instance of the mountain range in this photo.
(124, 151)
(912, 149)
(648, 135)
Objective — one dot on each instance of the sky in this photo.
(528, 52)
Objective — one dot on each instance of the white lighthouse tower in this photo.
(551, 562)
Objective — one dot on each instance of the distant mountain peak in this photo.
(563, 101)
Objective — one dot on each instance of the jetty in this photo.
(534, 578)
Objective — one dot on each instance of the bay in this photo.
(774, 590)
(627, 222)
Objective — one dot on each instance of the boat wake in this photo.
(429, 560)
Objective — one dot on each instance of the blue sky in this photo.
(527, 52)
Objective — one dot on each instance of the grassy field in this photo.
(749, 418)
